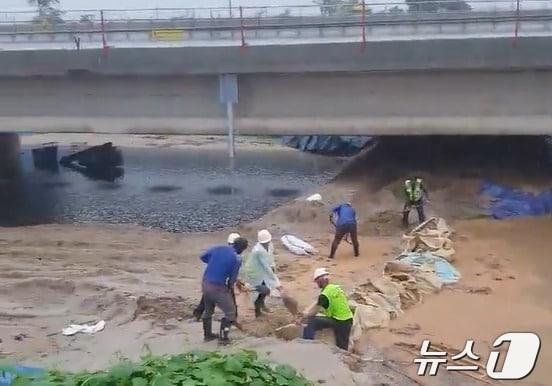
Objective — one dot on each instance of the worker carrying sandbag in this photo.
(333, 304)
(416, 195)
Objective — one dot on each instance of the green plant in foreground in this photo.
(190, 369)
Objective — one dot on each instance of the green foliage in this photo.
(48, 14)
(437, 6)
(340, 7)
(191, 369)
(43, 3)
(396, 10)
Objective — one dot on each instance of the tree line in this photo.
(335, 7)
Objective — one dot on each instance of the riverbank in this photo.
(144, 283)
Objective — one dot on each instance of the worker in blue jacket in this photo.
(198, 311)
(221, 273)
(343, 217)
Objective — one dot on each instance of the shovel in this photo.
(291, 304)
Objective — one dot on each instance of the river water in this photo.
(176, 190)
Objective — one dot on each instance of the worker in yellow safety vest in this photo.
(332, 303)
(416, 195)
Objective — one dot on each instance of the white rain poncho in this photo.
(259, 268)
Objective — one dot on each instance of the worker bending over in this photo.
(198, 311)
(334, 306)
(415, 196)
(343, 217)
(223, 266)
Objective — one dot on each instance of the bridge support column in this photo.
(9, 155)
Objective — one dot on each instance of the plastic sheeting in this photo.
(507, 202)
(444, 270)
(328, 144)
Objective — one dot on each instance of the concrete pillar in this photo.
(10, 149)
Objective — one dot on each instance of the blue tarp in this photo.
(508, 202)
(7, 377)
(444, 270)
(343, 145)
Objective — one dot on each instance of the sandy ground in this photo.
(505, 287)
(144, 283)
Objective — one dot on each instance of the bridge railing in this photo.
(352, 21)
(306, 14)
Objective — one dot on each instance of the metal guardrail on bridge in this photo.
(242, 25)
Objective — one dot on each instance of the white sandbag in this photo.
(298, 246)
(73, 329)
(315, 197)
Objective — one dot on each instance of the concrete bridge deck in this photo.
(489, 54)
(323, 103)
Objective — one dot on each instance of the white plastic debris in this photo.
(84, 328)
(315, 197)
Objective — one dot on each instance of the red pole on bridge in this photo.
(363, 21)
(516, 30)
(104, 41)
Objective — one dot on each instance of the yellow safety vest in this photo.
(339, 306)
(414, 190)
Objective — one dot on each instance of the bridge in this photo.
(306, 71)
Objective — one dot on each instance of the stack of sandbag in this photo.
(367, 317)
(421, 269)
(429, 248)
(374, 304)
(378, 301)
(414, 282)
(432, 236)
(381, 293)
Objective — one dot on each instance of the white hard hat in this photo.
(319, 272)
(264, 236)
(232, 237)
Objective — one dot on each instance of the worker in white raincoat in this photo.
(258, 272)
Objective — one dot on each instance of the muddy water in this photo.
(172, 189)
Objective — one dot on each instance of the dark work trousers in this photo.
(340, 232)
(200, 308)
(419, 205)
(341, 329)
(221, 297)
(263, 291)
(198, 311)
